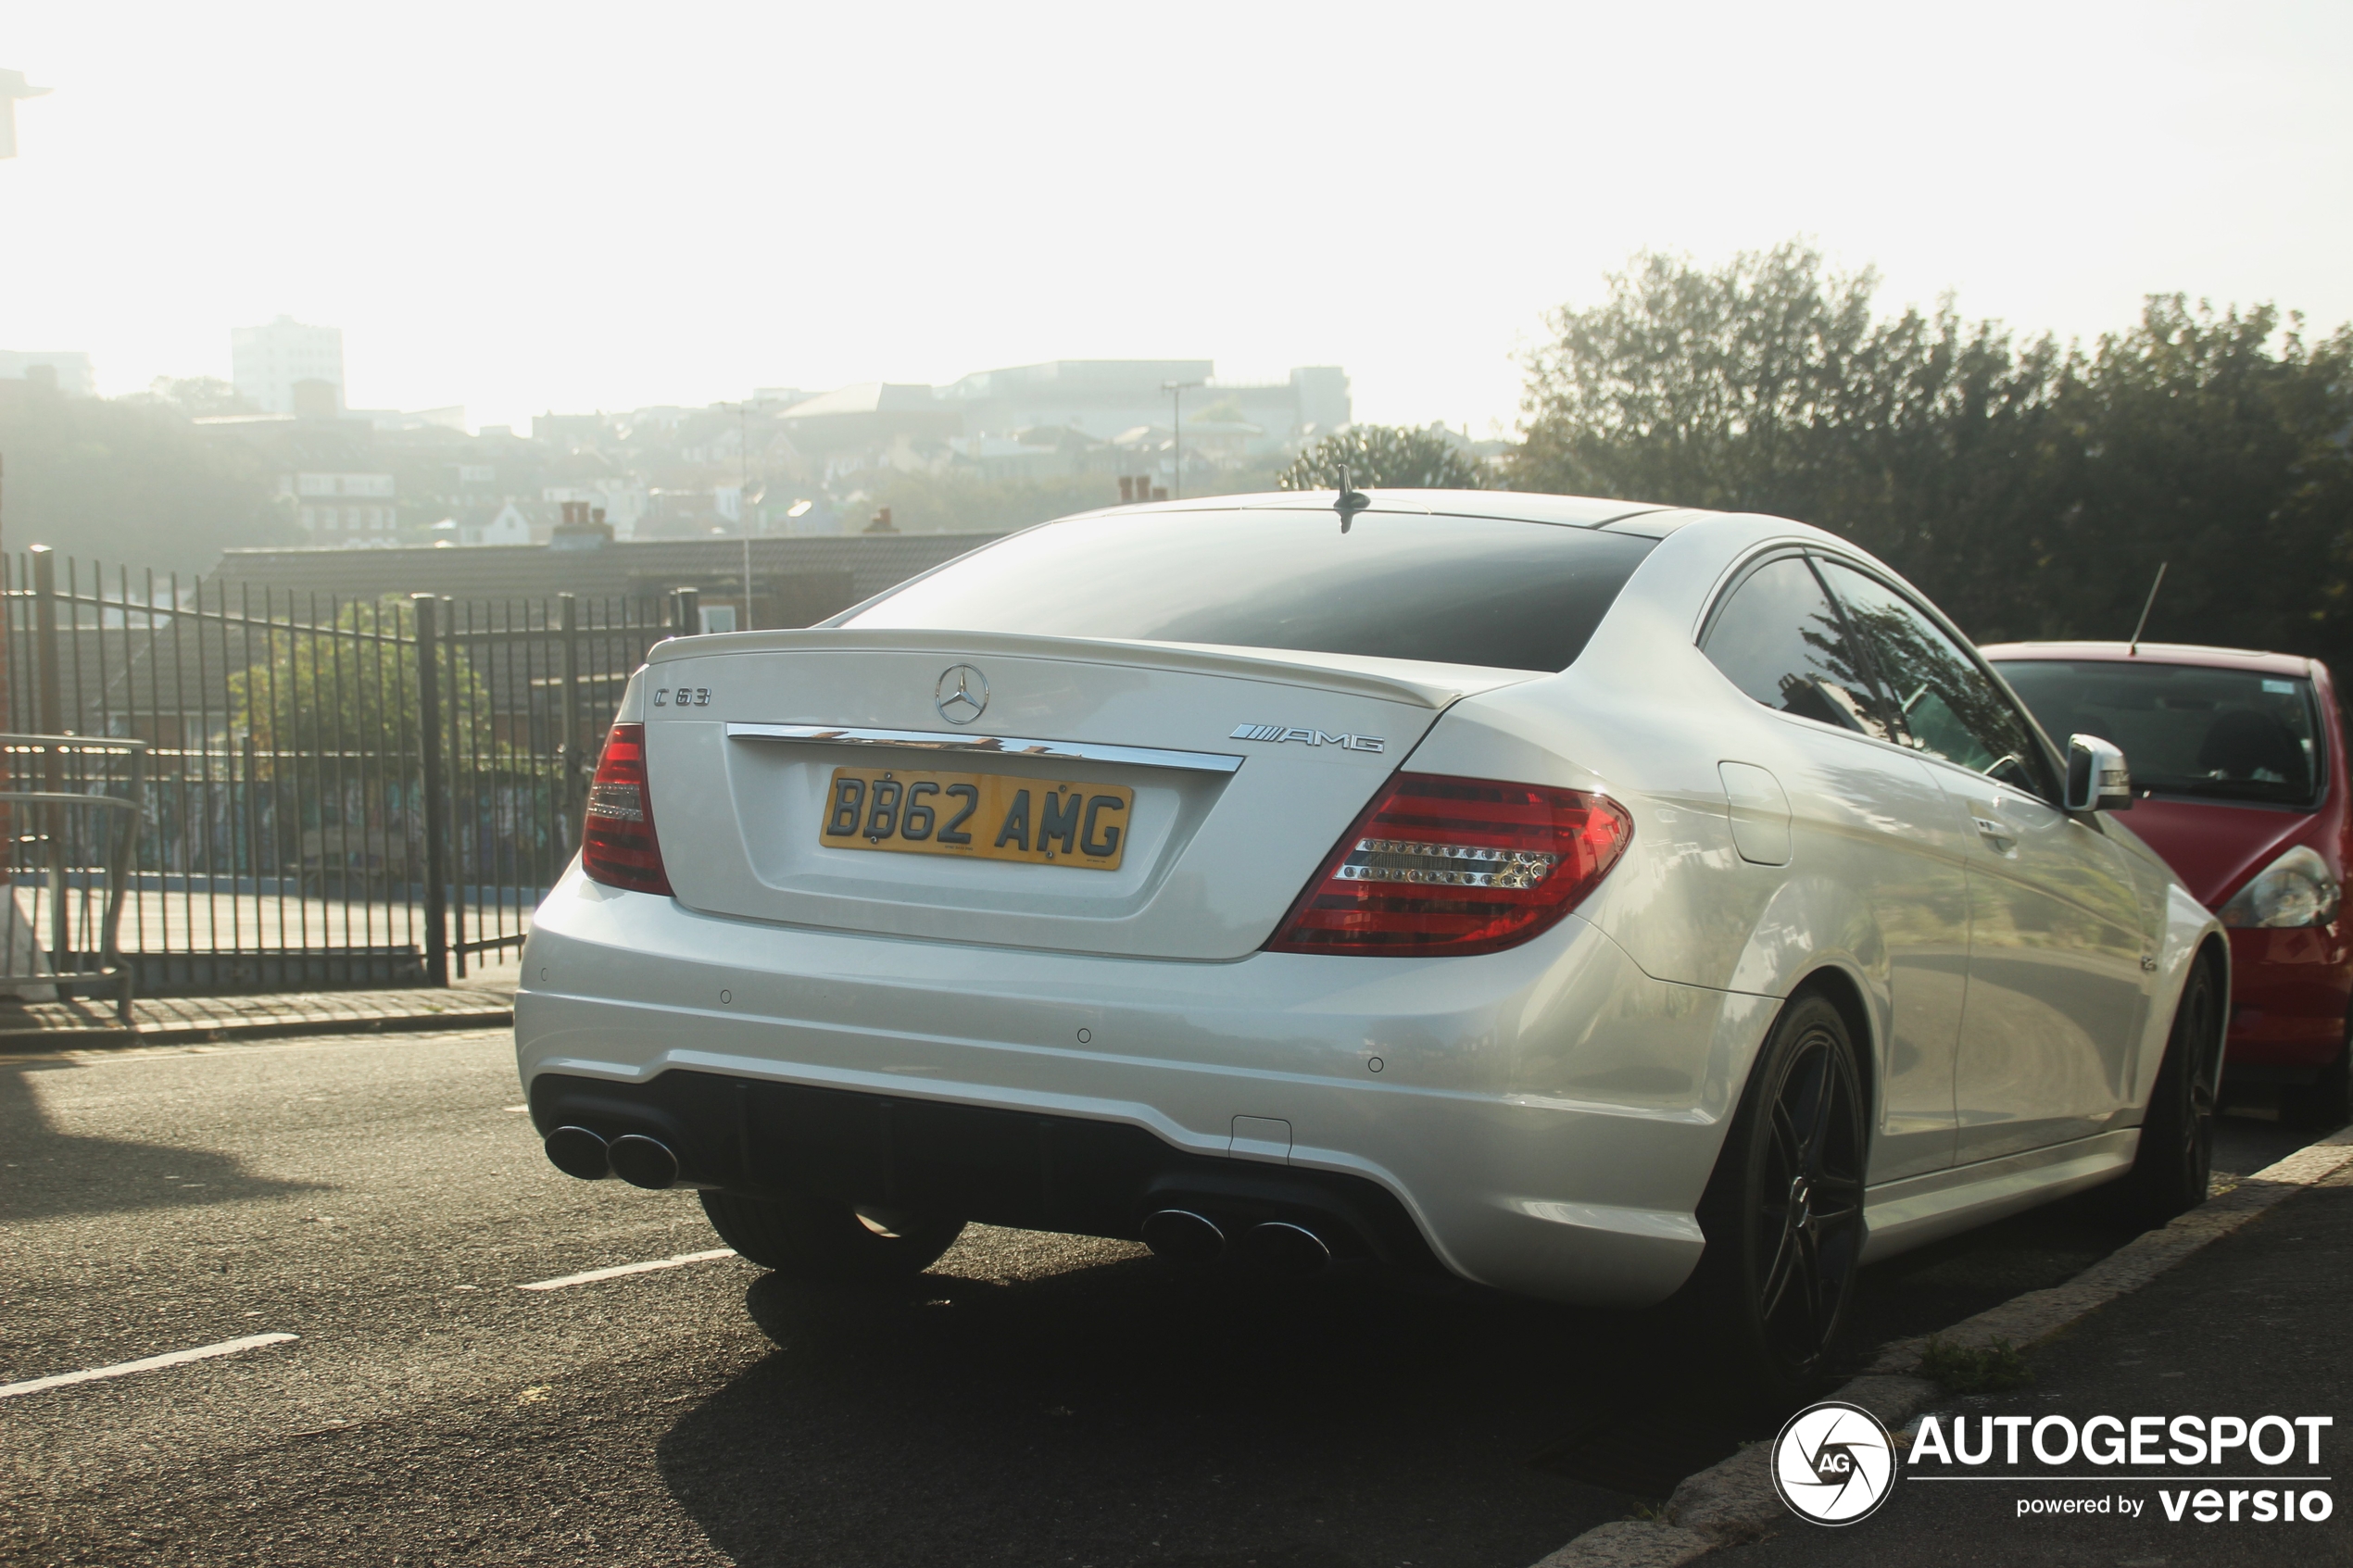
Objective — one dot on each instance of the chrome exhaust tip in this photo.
(1182, 1236)
(576, 1151)
(1281, 1248)
(643, 1162)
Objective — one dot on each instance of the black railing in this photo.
(339, 792)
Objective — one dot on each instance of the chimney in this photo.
(882, 521)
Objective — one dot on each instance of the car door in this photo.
(1866, 826)
(2055, 987)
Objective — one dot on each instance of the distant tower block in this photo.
(13, 86)
(271, 364)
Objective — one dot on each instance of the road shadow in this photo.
(1124, 1413)
(46, 1173)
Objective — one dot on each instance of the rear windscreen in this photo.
(1452, 590)
(2185, 729)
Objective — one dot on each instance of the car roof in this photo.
(1563, 511)
(2152, 653)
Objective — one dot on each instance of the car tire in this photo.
(1784, 1213)
(2170, 1171)
(819, 1238)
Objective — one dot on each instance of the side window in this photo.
(1780, 639)
(1945, 705)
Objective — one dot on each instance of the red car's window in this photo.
(2185, 729)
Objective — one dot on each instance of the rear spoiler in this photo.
(1434, 687)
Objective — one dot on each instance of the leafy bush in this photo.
(1388, 456)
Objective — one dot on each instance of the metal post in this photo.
(743, 503)
(253, 815)
(436, 830)
(461, 766)
(53, 763)
(568, 802)
(686, 613)
(7, 727)
(44, 623)
(1176, 390)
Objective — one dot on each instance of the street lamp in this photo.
(1176, 389)
(746, 498)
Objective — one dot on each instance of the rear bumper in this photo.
(999, 1167)
(2290, 992)
(1542, 1121)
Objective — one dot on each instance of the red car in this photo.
(2238, 767)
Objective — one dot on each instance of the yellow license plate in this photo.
(981, 816)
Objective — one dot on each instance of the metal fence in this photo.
(339, 791)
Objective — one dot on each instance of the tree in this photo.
(352, 690)
(2030, 488)
(123, 481)
(1389, 455)
(201, 397)
(2215, 441)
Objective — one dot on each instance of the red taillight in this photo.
(617, 844)
(1440, 866)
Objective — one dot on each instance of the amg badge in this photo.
(1278, 734)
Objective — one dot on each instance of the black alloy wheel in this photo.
(1784, 1214)
(2176, 1157)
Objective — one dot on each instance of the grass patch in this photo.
(1975, 1369)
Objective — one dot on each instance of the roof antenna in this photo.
(1351, 500)
(2134, 650)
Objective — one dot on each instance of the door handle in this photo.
(1995, 833)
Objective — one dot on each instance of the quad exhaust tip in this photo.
(1276, 1246)
(1182, 1236)
(576, 1151)
(634, 1158)
(1281, 1248)
(643, 1162)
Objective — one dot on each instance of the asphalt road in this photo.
(1035, 1399)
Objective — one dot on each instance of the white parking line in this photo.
(593, 1276)
(150, 1364)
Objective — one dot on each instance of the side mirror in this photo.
(2098, 779)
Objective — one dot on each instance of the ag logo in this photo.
(1834, 1463)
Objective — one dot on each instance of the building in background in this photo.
(68, 371)
(874, 425)
(283, 367)
(1105, 398)
(794, 582)
(343, 508)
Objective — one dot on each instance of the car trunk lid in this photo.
(1230, 773)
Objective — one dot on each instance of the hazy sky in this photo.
(532, 207)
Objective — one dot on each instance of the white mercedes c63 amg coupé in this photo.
(1598, 902)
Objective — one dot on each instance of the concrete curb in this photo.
(1733, 1501)
(27, 1043)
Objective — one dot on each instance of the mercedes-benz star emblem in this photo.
(962, 694)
